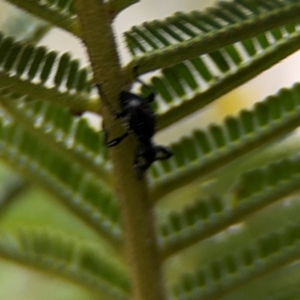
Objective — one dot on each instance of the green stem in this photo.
(135, 203)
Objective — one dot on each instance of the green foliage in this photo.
(192, 84)
(200, 56)
(269, 253)
(205, 151)
(61, 256)
(42, 73)
(255, 189)
(187, 35)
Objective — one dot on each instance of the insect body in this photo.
(139, 120)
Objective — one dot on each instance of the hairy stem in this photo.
(135, 203)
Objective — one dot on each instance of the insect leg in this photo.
(150, 98)
(166, 153)
(141, 164)
(115, 141)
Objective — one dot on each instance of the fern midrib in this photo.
(135, 205)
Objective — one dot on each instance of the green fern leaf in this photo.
(60, 13)
(71, 136)
(191, 85)
(164, 43)
(225, 275)
(41, 74)
(205, 151)
(82, 193)
(256, 189)
(66, 258)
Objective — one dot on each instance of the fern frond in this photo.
(67, 258)
(256, 189)
(223, 276)
(70, 136)
(160, 44)
(84, 194)
(43, 74)
(189, 86)
(60, 13)
(205, 151)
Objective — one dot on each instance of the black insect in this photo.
(139, 120)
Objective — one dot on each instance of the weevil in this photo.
(140, 121)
